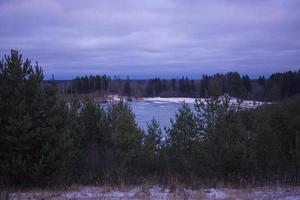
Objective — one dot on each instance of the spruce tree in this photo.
(126, 137)
(152, 144)
(34, 144)
(127, 88)
(182, 141)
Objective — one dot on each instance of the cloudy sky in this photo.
(144, 38)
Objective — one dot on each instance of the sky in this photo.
(143, 39)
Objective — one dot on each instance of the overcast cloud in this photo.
(157, 37)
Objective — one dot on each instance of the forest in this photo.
(277, 86)
(47, 139)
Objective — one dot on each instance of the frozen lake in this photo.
(161, 111)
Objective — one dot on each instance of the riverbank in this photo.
(234, 101)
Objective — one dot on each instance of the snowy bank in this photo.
(170, 99)
(233, 101)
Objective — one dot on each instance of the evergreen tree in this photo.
(153, 137)
(151, 148)
(157, 86)
(193, 88)
(247, 83)
(34, 144)
(262, 80)
(224, 138)
(93, 139)
(183, 140)
(127, 88)
(173, 83)
(234, 83)
(126, 137)
(204, 84)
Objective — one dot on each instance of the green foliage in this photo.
(274, 130)
(91, 140)
(150, 157)
(32, 125)
(47, 141)
(183, 129)
(126, 138)
(224, 138)
(247, 83)
(230, 83)
(91, 83)
(183, 141)
(125, 133)
(225, 142)
(277, 86)
(127, 88)
(155, 87)
(152, 140)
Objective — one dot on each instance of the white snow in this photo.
(215, 193)
(158, 192)
(233, 101)
(170, 99)
(292, 198)
(188, 100)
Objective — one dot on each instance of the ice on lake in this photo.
(145, 111)
(163, 109)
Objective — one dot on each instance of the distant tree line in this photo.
(176, 87)
(104, 85)
(89, 84)
(280, 85)
(46, 140)
(276, 87)
(231, 83)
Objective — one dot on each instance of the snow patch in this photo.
(158, 192)
(215, 193)
(233, 101)
(292, 198)
(170, 99)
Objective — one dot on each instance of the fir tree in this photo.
(127, 88)
(151, 148)
(34, 144)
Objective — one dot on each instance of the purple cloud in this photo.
(149, 38)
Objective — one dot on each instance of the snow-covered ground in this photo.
(156, 192)
(170, 99)
(234, 101)
(158, 100)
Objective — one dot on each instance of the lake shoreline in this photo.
(164, 108)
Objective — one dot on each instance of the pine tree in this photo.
(224, 138)
(34, 144)
(151, 148)
(204, 86)
(182, 141)
(152, 141)
(234, 82)
(173, 83)
(92, 139)
(247, 83)
(127, 88)
(126, 136)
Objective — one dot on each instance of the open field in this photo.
(156, 192)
